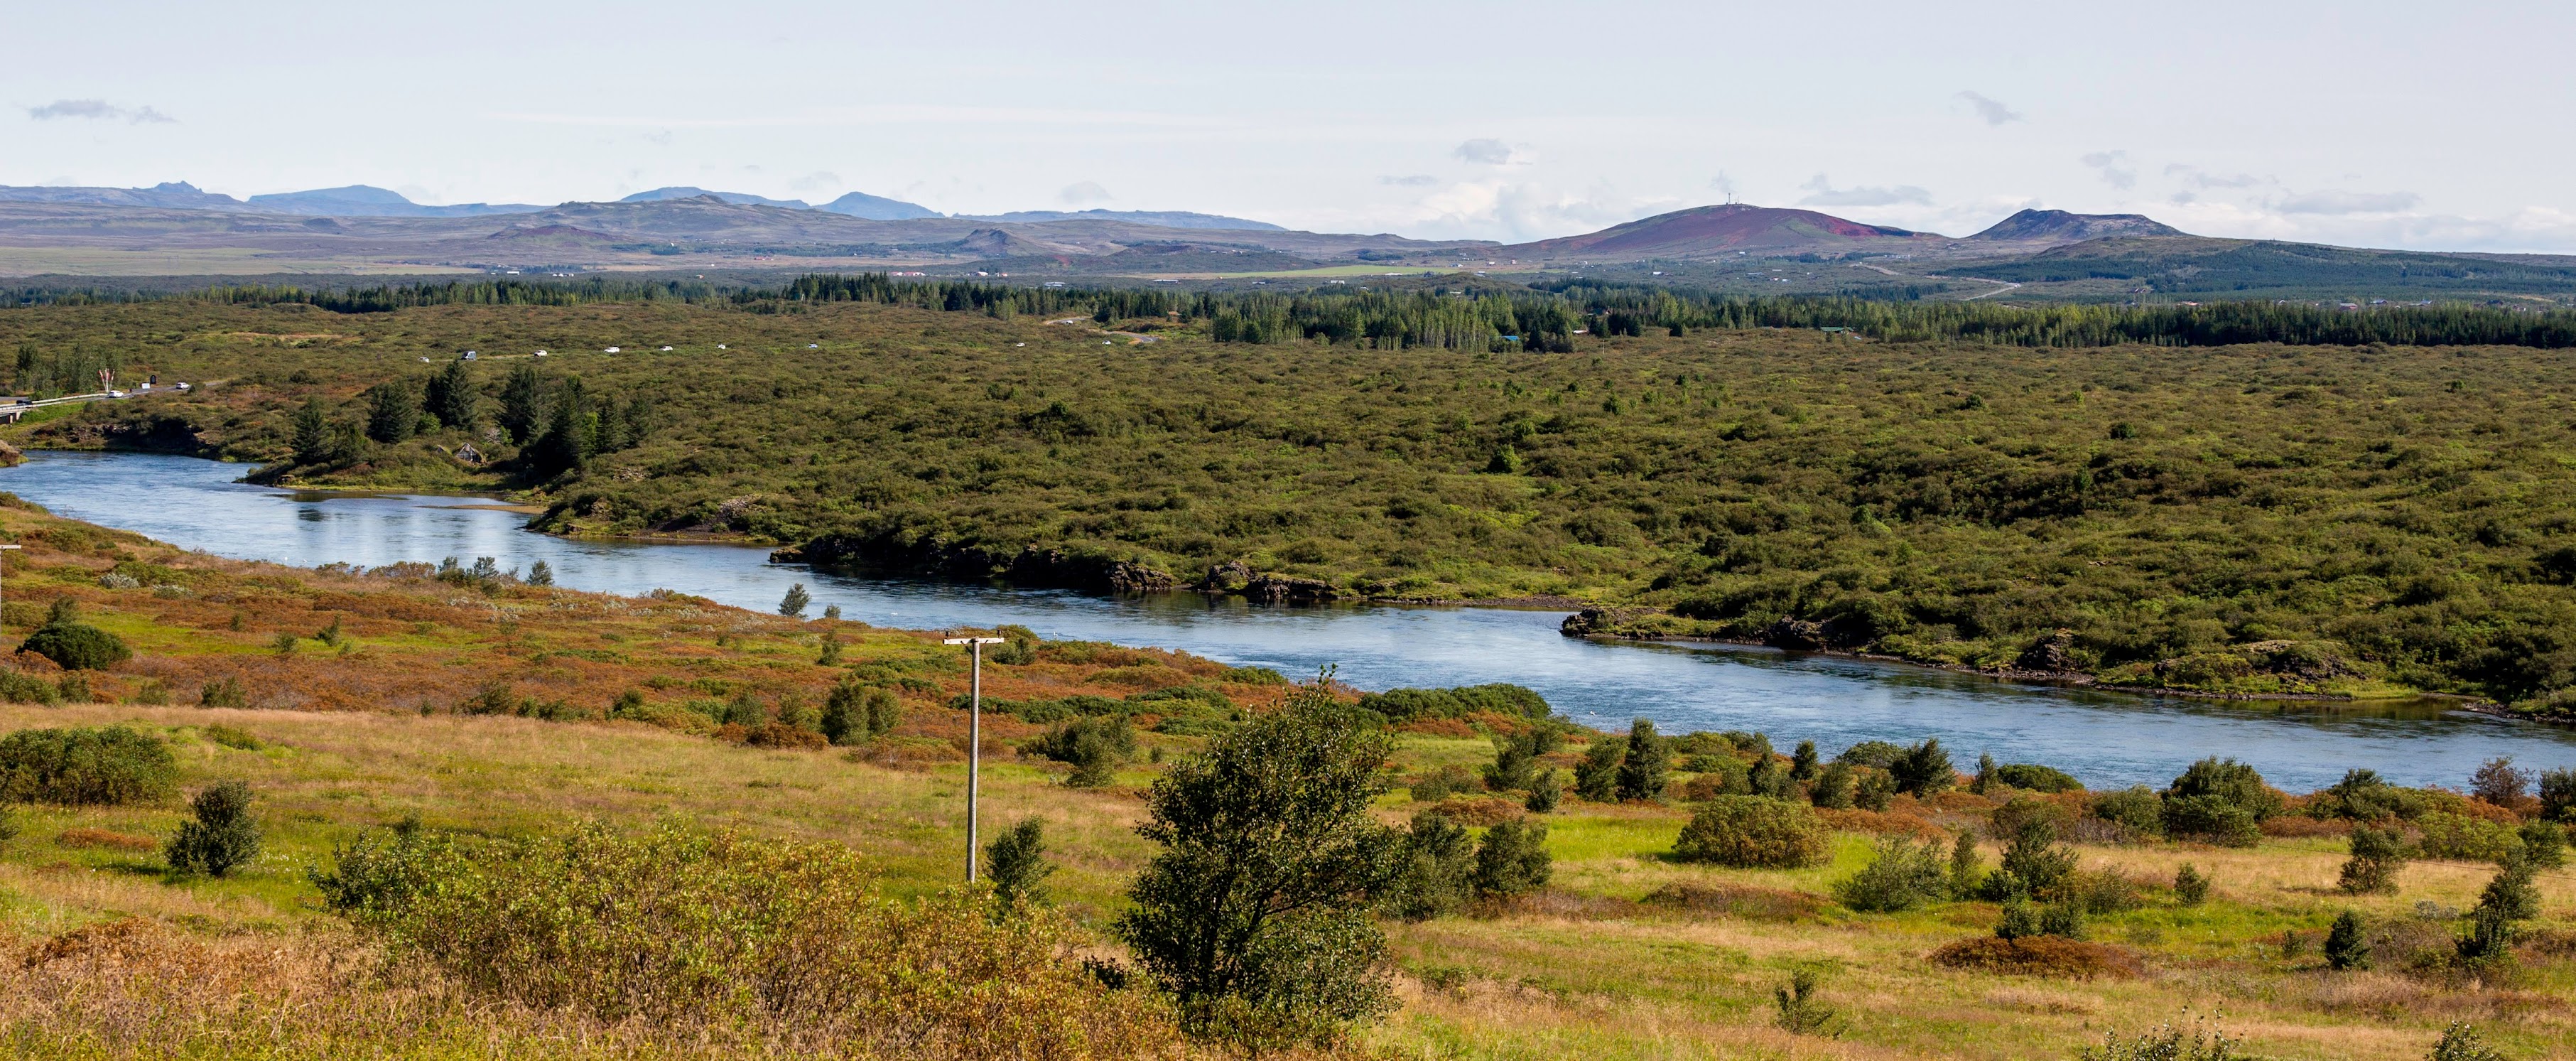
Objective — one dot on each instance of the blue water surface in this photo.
(2105, 739)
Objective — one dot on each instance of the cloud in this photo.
(2531, 229)
(660, 137)
(1488, 152)
(2114, 168)
(817, 179)
(1418, 180)
(1993, 111)
(97, 110)
(1083, 192)
(2204, 179)
(1825, 194)
(2350, 203)
(1511, 211)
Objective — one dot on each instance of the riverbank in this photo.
(2226, 679)
(2107, 738)
(2080, 680)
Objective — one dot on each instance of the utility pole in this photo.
(8, 547)
(974, 738)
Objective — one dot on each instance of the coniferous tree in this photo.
(1833, 787)
(1512, 859)
(1437, 866)
(2346, 946)
(312, 438)
(2511, 893)
(1016, 864)
(1967, 870)
(635, 421)
(1643, 771)
(449, 396)
(883, 711)
(393, 411)
(2190, 888)
(1924, 769)
(223, 837)
(1802, 766)
(845, 715)
(567, 438)
(1545, 791)
(2377, 855)
(524, 409)
(1596, 778)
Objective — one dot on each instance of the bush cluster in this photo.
(72, 644)
(113, 765)
(723, 930)
(1753, 831)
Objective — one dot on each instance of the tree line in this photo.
(558, 424)
(1542, 318)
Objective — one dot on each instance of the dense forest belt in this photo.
(2253, 519)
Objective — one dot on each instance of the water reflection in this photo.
(2106, 739)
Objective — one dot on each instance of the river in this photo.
(2105, 739)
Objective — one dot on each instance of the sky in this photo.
(2421, 126)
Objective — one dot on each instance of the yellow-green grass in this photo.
(1588, 973)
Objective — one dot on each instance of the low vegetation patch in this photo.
(110, 765)
(106, 838)
(2044, 956)
(1752, 831)
(697, 930)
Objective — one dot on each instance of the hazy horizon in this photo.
(2351, 124)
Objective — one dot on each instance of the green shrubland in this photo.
(2257, 518)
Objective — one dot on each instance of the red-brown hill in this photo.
(1709, 231)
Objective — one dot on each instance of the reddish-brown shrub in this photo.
(1438, 727)
(1481, 810)
(106, 838)
(2038, 956)
(1891, 822)
(1736, 900)
(2296, 825)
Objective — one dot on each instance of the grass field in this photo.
(1580, 969)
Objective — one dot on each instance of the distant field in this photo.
(1337, 270)
(100, 261)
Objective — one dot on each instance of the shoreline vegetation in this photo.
(2169, 500)
(451, 811)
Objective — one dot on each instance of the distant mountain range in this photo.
(361, 200)
(356, 200)
(177, 229)
(1740, 230)
(1159, 218)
